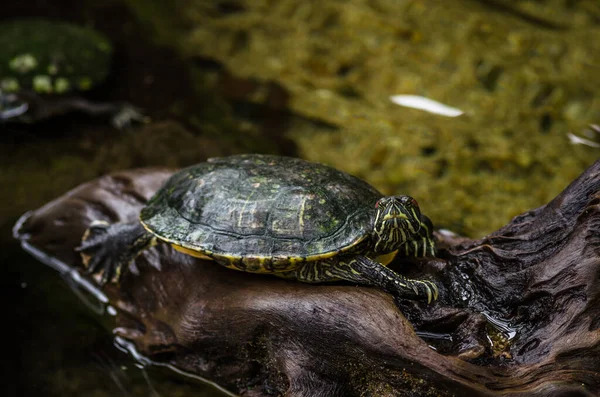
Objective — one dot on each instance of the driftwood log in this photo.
(519, 312)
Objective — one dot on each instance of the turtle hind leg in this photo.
(365, 271)
(110, 248)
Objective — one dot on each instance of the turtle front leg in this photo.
(111, 248)
(365, 271)
(419, 247)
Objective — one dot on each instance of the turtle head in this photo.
(397, 220)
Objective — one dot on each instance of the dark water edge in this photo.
(57, 346)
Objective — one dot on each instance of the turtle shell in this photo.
(51, 57)
(264, 212)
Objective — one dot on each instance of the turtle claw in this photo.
(97, 263)
(430, 289)
(94, 263)
(110, 248)
(97, 250)
(414, 288)
(436, 292)
(108, 274)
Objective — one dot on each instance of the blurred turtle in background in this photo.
(45, 64)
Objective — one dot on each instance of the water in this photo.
(61, 347)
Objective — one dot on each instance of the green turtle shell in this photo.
(51, 57)
(262, 213)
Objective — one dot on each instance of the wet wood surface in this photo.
(518, 315)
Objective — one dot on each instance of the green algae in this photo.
(523, 76)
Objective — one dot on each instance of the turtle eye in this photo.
(410, 201)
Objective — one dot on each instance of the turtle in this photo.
(277, 215)
(44, 64)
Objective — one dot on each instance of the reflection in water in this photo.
(116, 373)
(434, 335)
(128, 347)
(439, 342)
(501, 325)
(89, 294)
(95, 300)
